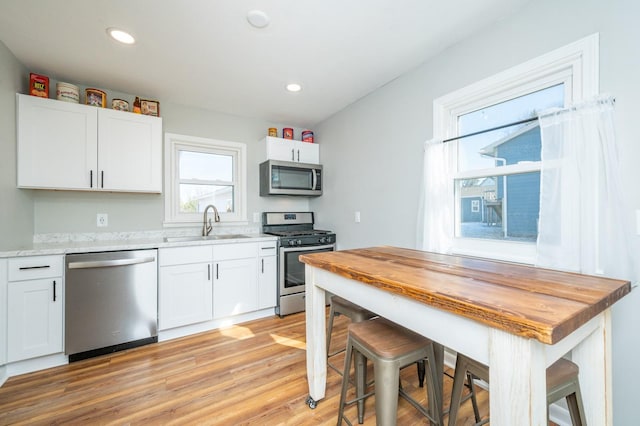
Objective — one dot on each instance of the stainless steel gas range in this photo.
(296, 237)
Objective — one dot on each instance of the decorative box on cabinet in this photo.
(291, 150)
(185, 286)
(63, 145)
(34, 313)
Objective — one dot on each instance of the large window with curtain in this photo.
(488, 198)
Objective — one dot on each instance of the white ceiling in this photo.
(204, 53)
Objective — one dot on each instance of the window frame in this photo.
(174, 143)
(576, 65)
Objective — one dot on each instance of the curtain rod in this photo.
(515, 123)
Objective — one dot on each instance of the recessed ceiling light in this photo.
(258, 18)
(121, 36)
(294, 87)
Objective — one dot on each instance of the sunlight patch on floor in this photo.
(237, 332)
(286, 341)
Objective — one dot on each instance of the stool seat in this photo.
(390, 347)
(386, 340)
(561, 378)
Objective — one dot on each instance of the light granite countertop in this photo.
(59, 244)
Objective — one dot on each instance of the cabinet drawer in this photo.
(268, 248)
(34, 267)
(184, 255)
(234, 251)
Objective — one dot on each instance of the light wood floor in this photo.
(252, 374)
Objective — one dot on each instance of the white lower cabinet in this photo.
(34, 307)
(234, 283)
(267, 275)
(185, 286)
(201, 283)
(3, 312)
(234, 288)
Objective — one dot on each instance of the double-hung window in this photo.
(496, 173)
(201, 172)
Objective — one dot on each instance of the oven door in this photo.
(291, 277)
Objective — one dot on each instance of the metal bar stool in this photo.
(355, 313)
(390, 347)
(562, 382)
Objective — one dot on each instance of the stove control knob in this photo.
(329, 240)
(299, 242)
(323, 240)
(292, 242)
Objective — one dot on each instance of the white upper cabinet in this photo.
(57, 144)
(63, 145)
(291, 150)
(129, 151)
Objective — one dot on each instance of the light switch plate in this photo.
(356, 217)
(102, 220)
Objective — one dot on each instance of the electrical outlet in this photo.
(102, 220)
(356, 217)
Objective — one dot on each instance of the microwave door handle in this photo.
(314, 179)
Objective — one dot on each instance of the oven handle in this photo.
(307, 248)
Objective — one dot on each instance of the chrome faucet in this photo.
(206, 228)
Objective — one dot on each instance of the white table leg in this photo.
(593, 356)
(517, 380)
(316, 338)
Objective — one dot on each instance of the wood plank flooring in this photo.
(250, 374)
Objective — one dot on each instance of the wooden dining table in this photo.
(515, 318)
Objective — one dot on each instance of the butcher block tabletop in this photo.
(524, 300)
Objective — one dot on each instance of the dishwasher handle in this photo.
(110, 263)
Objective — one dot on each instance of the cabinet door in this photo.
(56, 144)
(307, 153)
(129, 151)
(185, 295)
(280, 149)
(3, 311)
(234, 287)
(34, 318)
(267, 282)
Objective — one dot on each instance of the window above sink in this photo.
(202, 171)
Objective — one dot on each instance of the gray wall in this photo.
(16, 206)
(372, 150)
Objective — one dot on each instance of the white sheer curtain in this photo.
(584, 219)
(435, 215)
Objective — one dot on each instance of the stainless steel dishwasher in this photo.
(111, 302)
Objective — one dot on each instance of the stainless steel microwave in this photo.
(289, 178)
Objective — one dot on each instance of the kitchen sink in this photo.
(204, 238)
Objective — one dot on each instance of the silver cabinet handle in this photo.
(298, 156)
(54, 290)
(293, 155)
(209, 272)
(109, 263)
(263, 266)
